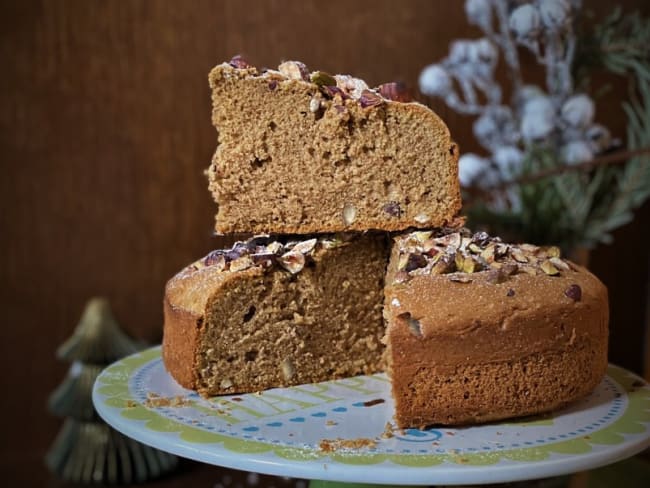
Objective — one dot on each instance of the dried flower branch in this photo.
(546, 155)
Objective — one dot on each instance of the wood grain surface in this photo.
(104, 136)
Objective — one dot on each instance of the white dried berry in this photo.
(576, 152)
(525, 22)
(508, 159)
(479, 12)
(470, 167)
(578, 111)
(555, 14)
(435, 81)
(538, 119)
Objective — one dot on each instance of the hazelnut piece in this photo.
(370, 99)
(294, 70)
(396, 91)
(239, 63)
(292, 261)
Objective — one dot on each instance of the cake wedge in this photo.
(303, 152)
(267, 314)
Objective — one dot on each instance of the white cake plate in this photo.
(341, 430)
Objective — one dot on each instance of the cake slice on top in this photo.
(303, 152)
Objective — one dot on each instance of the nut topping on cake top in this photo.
(264, 251)
(459, 254)
(344, 86)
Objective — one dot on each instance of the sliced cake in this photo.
(481, 330)
(266, 314)
(304, 152)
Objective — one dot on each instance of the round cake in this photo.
(481, 330)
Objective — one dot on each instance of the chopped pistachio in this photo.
(549, 268)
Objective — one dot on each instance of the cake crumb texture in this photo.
(297, 156)
(264, 326)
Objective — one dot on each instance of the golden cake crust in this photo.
(465, 348)
(186, 296)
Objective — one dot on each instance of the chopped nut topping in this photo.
(332, 91)
(239, 63)
(414, 261)
(529, 270)
(370, 99)
(351, 85)
(241, 263)
(553, 251)
(549, 269)
(519, 256)
(559, 264)
(396, 91)
(215, 258)
(294, 70)
(292, 261)
(321, 78)
(263, 252)
(458, 251)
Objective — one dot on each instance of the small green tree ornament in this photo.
(87, 450)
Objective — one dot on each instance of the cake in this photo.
(479, 330)
(267, 314)
(303, 152)
(475, 329)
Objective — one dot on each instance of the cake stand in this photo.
(342, 430)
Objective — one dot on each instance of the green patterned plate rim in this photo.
(341, 430)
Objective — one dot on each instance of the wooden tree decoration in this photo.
(87, 450)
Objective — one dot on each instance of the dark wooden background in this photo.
(105, 133)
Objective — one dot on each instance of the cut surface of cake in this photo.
(480, 330)
(304, 152)
(268, 314)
